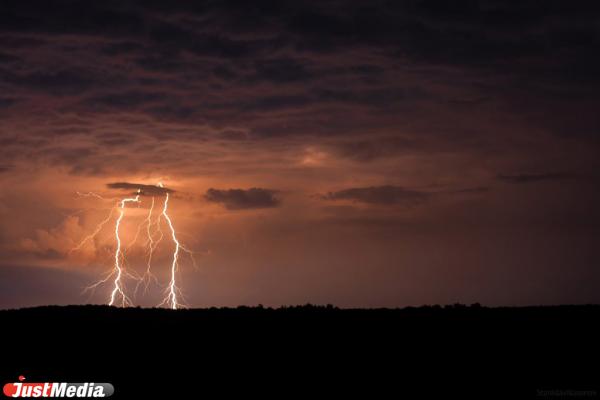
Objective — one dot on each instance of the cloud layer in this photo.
(139, 188)
(241, 199)
(382, 195)
(398, 152)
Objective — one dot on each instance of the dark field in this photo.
(309, 352)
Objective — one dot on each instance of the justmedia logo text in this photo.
(57, 389)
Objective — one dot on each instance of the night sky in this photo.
(364, 154)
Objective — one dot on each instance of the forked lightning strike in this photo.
(118, 286)
(99, 226)
(119, 272)
(172, 290)
(151, 245)
(92, 235)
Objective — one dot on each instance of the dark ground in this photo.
(309, 352)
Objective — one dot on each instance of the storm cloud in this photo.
(380, 195)
(241, 199)
(145, 190)
(540, 177)
(466, 127)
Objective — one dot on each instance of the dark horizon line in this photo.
(307, 306)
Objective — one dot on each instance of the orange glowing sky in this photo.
(320, 154)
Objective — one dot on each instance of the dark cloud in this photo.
(425, 30)
(240, 199)
(231, 134)
(120, 48)
(533, 178)
(311, 95)
(372, 149)
(7, 58)
(172, 112)
(78, 158)
(68, 17)
(281, 71)
(273, 103)
(185, 62)
(114, 139)
(145, 190)
(473, 190)
(6, 102)
(122, 100)
(58, 83)
(380, 195)
(380, 97)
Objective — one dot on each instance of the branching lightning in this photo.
(96, 231)
(118, 287)
(89, 194)
(150, 245)
(172, 289)
(154, 236)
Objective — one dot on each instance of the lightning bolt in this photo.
(96, 231)
(118, 269)
(150, 241)
(89, 194)
(154, 235)
(172, 289)
(154, 243)
(151, 245)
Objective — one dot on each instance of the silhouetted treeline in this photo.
(309, 351)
